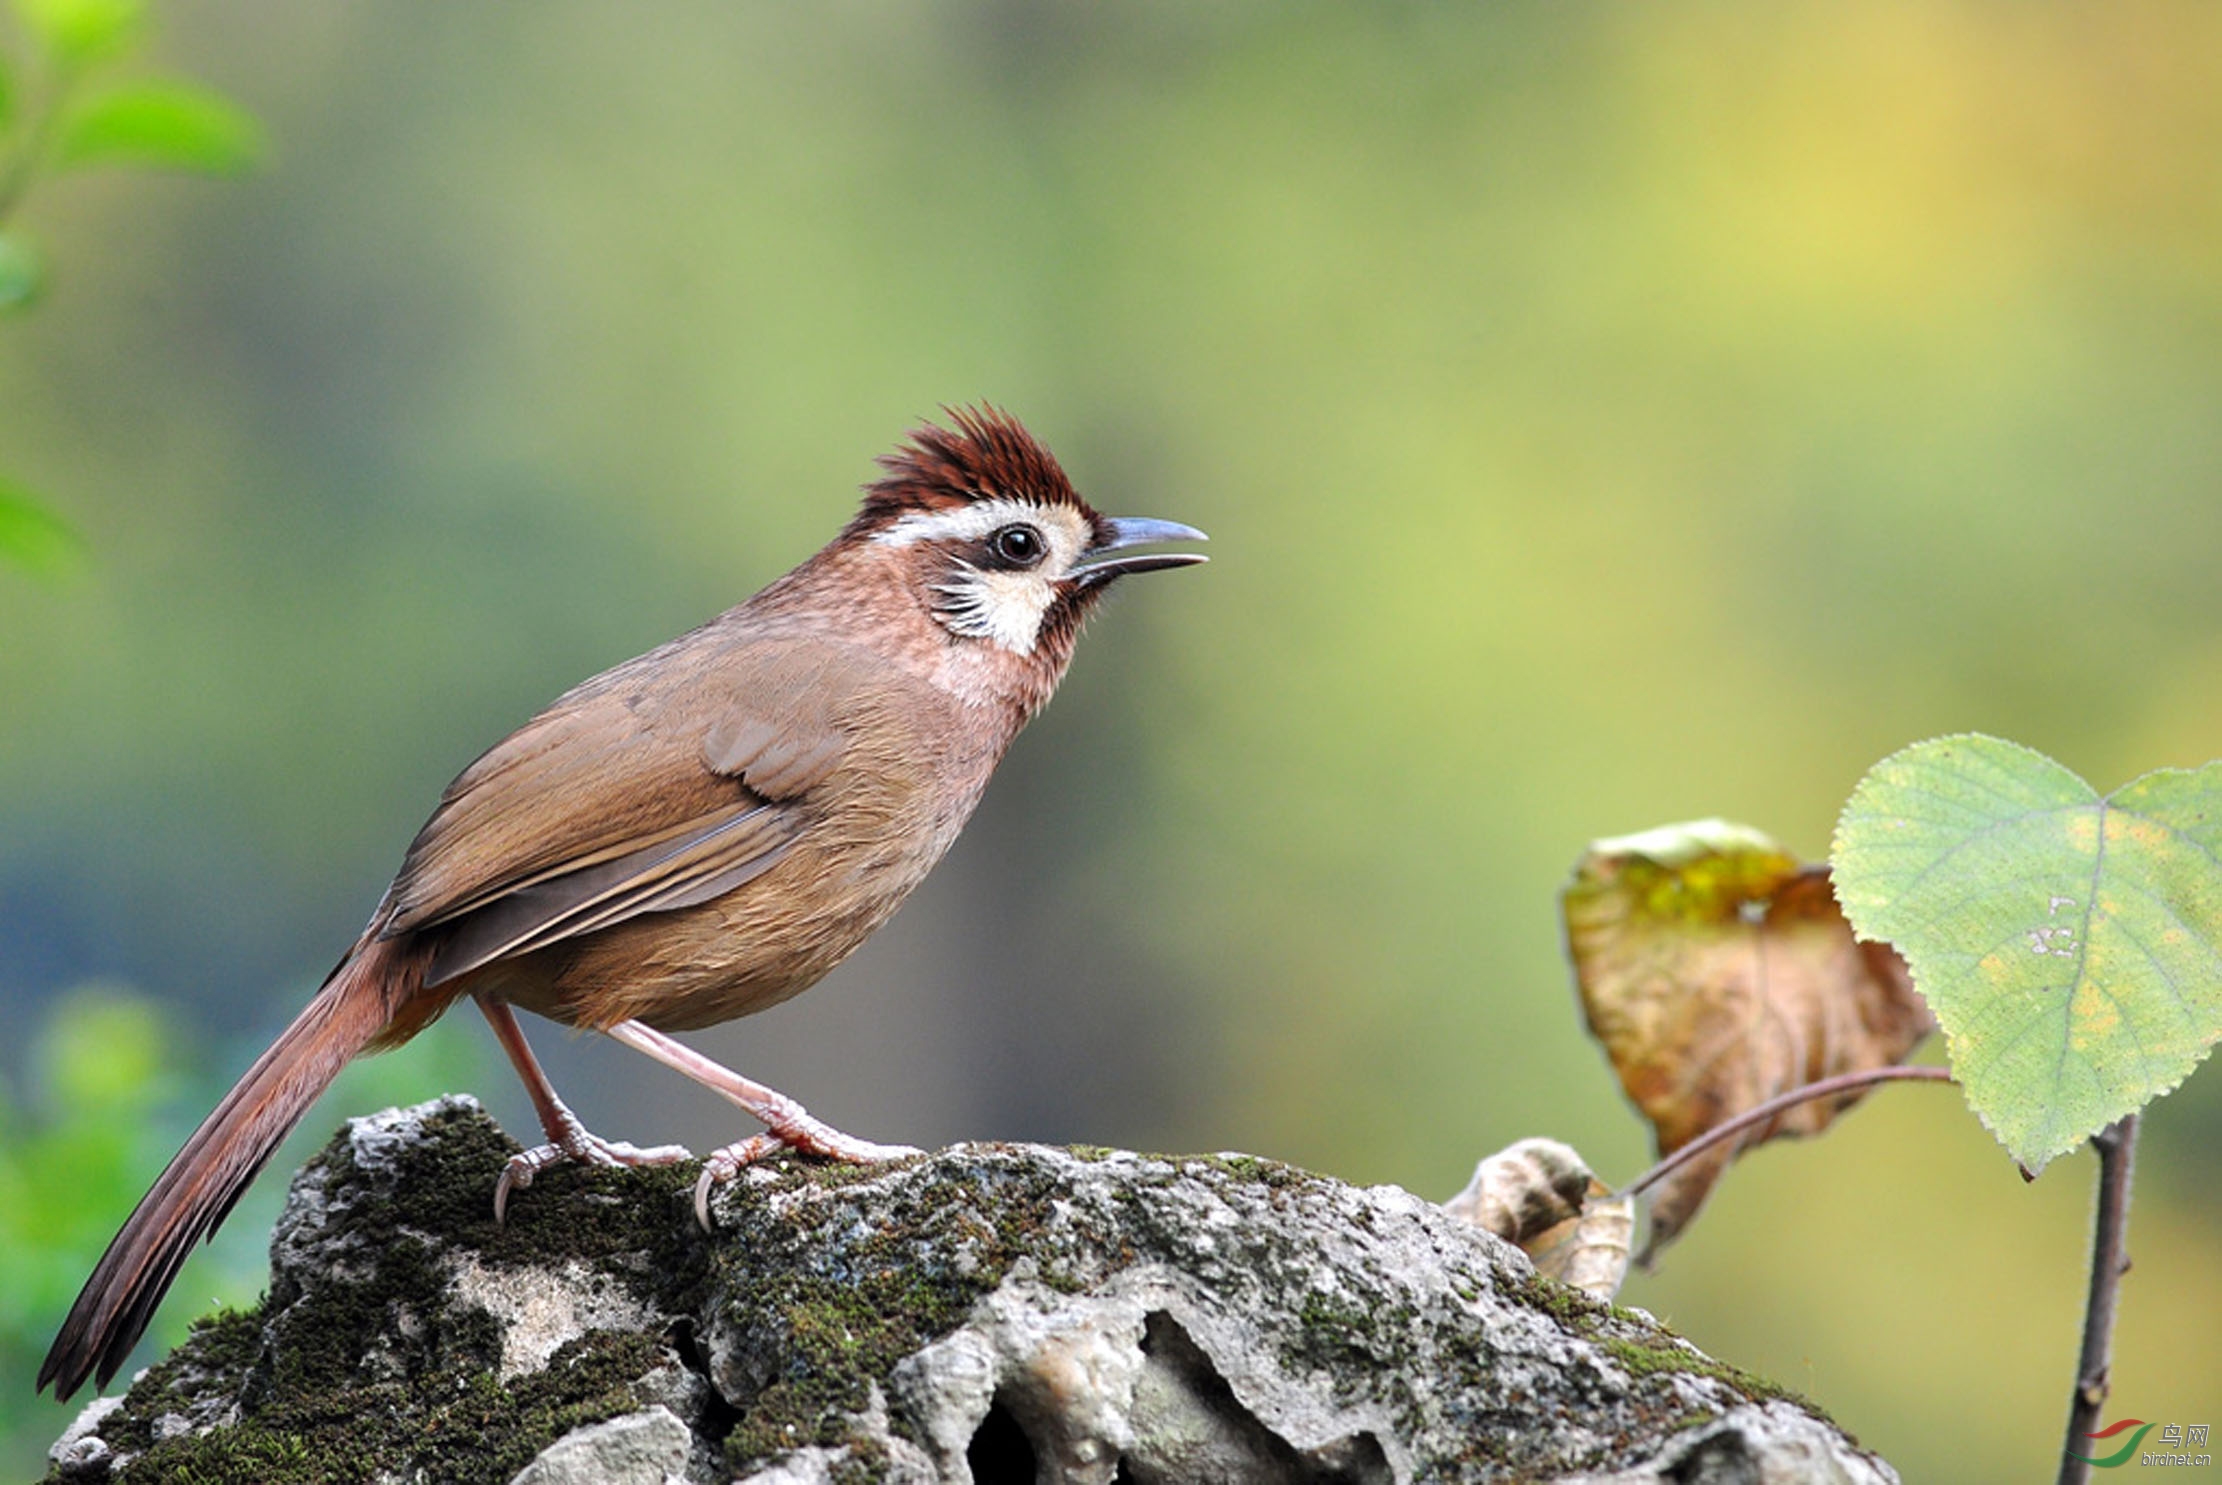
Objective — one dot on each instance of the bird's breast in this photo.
(871, 831)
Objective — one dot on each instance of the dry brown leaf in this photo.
(1590, 1251)
(1540, 1194)
(1524, 1189)
(1718, 972)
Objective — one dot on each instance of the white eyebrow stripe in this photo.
(969, 522)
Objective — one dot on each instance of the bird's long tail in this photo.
(208, 1176)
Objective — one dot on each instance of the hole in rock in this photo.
(688, 1346)
(716, 1417)
(1723, 1459)
(1000, 1453)
(1191, 1426)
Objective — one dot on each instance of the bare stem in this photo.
(1825, 1088)
(2117, 1147)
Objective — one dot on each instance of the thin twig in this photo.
(1825, 1088)
(2117, 1147)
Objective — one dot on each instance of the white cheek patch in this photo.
(1000, 606)
(1003, 607)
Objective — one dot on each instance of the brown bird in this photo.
(695, 835)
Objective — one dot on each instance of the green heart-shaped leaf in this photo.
(2069, 942)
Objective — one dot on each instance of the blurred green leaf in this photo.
(7, 94)
(21, 273)
(105, 1050)
(77, 32)
(172, 125)
(2070, 943)
(31, 536)
(105, 1060)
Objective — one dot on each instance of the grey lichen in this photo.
(986, 1313)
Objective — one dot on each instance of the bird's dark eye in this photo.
(1018, 546)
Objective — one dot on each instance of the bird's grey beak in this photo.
(1098, 566)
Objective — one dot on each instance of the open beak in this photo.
(1099, 565)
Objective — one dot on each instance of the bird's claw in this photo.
(585, 1149)
(723, 1165)
(806, 1137)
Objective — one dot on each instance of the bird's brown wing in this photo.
(666, 782)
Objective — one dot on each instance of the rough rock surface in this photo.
(991, 1313)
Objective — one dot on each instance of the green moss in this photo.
(1352, 1341)
(838, 1335)
(444, 1185)
(229, 1340)
(1335, 1323)
(216, 1358)
(1258, 1171)
(1626, 1337)
(1573, 1308)
(841, 1319)
(319, 1339)
(1639, 1359)
(429, 1405)
(861, 1466)
(1344, 1335)
(235, 1454)
(457, 1425)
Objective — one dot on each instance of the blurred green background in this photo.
(1603, 416)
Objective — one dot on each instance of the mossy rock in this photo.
(988, 1312)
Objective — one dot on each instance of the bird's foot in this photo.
(576, 1143)
(798, 1132)
(787, 1124)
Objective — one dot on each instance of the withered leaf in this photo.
(1590, 1251)
(1718, 972)
(1539, 1194)
(1524, 1189)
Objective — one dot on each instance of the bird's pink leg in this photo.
(786, 1122)
(568, 1139)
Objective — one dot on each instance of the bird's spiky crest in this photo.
(985, 454)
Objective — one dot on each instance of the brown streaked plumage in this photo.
(694, 835)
